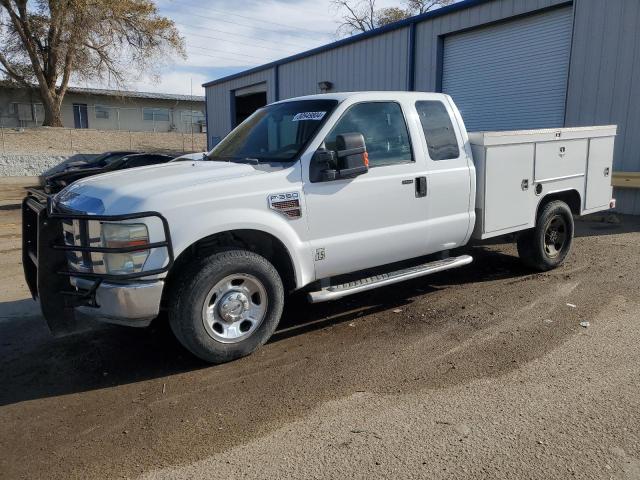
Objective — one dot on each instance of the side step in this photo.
(334, 292)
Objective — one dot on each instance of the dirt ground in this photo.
(481, 372)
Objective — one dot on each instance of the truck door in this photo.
(449, 180)
(376, 218)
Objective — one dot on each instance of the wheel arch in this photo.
(254, 240)
(570, 196)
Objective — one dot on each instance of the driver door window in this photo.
(384, 129)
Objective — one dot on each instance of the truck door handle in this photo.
(421, 187)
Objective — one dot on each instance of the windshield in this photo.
(276, 132)
(111, 159)
(98, 159)
(107, 159)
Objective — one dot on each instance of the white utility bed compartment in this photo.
(516, 169)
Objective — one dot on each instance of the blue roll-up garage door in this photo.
(512, 75)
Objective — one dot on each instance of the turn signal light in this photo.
(125, 243)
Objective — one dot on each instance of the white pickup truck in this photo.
(334, 194)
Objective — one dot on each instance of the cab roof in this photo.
(370, 95)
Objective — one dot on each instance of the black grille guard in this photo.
(44, 259)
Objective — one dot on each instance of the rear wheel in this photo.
(227, 306)
(547, 245)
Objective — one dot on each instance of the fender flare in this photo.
(270, 223)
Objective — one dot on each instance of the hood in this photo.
(124, 191)
(57, 181)
(71, 164)
(76, 164)
(85, 170)
(66, 167)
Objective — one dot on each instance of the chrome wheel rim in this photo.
(234, 308)
(555, 236)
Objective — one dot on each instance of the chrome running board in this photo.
(334, 292)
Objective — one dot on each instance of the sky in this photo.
(225, 37)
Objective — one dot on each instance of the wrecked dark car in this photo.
(57, 179)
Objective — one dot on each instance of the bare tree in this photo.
(362, 15)
(357, 16)
(44, 43)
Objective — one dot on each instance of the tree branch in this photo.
(20, 24)
(12, 73)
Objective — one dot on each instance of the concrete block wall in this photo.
(35, 150)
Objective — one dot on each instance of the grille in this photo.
(83, 233)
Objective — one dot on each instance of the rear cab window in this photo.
(438, 130)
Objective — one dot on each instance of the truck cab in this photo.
(405, 197)
(333, 194)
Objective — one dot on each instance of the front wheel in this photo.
(547, 245)
(227, 305)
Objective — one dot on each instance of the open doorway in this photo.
(80, 116)
(246, 104)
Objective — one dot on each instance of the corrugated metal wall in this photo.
(379, 63)
(604, 80)
(219, 101)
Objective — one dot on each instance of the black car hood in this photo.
(56, 182)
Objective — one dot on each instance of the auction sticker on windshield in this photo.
(308, 116)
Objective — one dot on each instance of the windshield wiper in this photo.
(250, 160)
(218, 158)
(235, 159)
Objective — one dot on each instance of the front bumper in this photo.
(133, 304)
(131, 299)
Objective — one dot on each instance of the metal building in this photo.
(508, 64)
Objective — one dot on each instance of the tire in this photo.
(244, 296)
(540, 248)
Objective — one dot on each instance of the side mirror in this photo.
(349, 160)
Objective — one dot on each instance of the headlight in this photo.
(125, 235)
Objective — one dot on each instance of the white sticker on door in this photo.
(308, 116)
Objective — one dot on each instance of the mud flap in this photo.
(56, 307)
